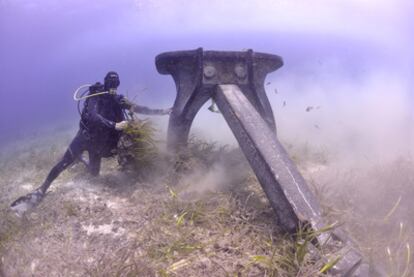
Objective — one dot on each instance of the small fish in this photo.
(309, 108)
(316, 126)
(213, 107)
(276, 91)
(268, 83)
(284, 103)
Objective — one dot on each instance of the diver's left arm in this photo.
(128, 105)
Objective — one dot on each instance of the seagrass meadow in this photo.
(203, 214)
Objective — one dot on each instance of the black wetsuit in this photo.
(97, 134)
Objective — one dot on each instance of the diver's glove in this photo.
(121, 125)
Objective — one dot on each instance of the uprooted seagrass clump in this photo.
(137, 149)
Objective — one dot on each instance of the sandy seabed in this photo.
(209, 223)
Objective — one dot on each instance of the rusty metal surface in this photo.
(235, 80)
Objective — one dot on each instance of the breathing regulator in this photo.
(111, 83)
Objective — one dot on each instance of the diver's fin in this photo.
(27, 202)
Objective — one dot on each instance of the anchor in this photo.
(235, 82)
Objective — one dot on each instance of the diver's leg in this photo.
(94, 163)
(67, 160)
(32, 199)
(73, 152)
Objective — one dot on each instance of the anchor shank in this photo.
(284, 186)
(288, 194)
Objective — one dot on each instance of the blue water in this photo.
(333, 52)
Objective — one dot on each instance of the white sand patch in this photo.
(116, 203)
(27, 187)
(104, 229)
(112, 204)
(81, 198)
(33, 265)
(82, 194)
(69, 184)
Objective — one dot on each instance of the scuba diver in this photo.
(100, 127)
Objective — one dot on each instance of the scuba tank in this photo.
(91, 91)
